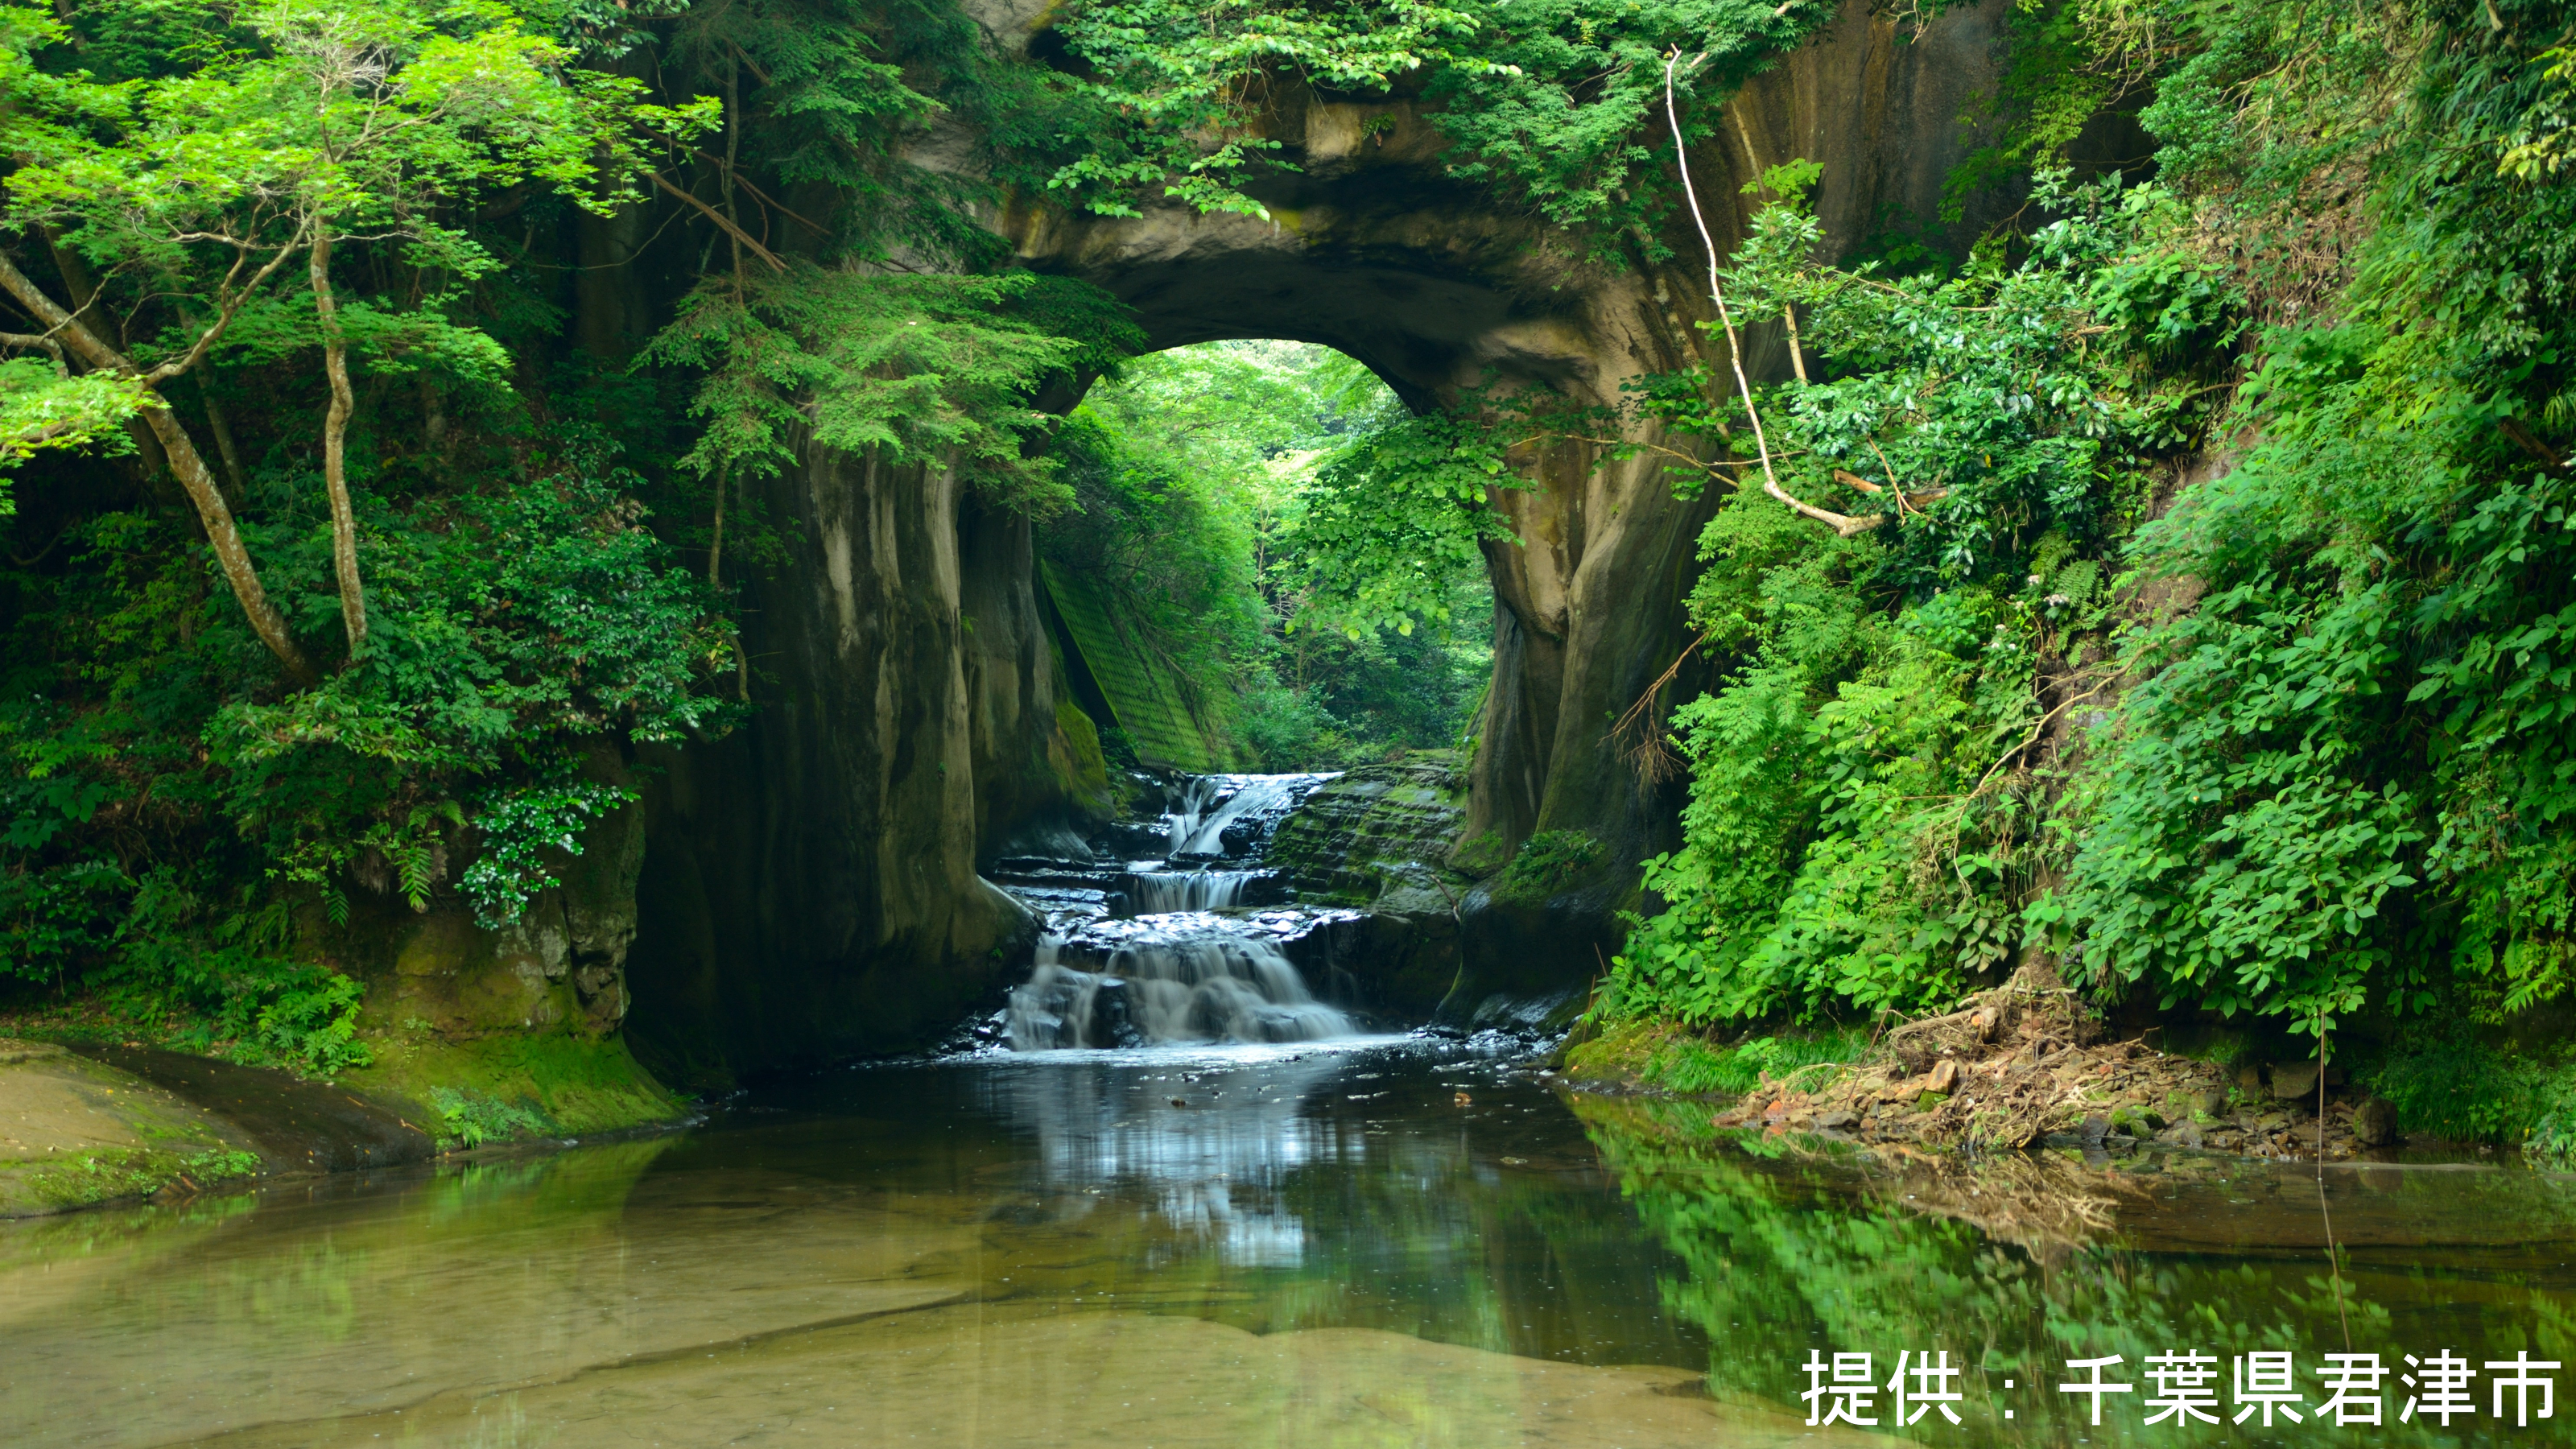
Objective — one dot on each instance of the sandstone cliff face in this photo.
(809, 888)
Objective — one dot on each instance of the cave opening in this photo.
(1198, 586)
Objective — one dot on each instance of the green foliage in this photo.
(519, 828)
(914, 368)
(158, 799)
(1549, 104)
(2350, 762)
(2448, 1086)
(1190, 76)
(1393, 519)
(468, 1118)
(1860, 831)
(341, 118)
(1206, 502)
(226, 974)
(514, 627)
(43, 405)
(1682, 1062)
(2326, 769)
(2057, 77)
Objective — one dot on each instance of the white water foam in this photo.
(1254, 795)
(1188, 983)
(1152, 893)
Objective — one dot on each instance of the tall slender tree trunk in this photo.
(187, 464)
(335, 436)
(715, 546)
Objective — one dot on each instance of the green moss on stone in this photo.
(562, 1081)
(1379, 831)
(76, 1180)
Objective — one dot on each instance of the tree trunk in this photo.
(224, 445)
(335, 434)
(187, 465)
(715, 546)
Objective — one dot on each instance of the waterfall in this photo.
(1256, 794)
(1185, 983)
(1182, 821)
(1159, 892)
(1181, 960)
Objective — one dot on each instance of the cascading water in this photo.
(1254, 796)
(1153, 954)
(1177, 980)
(1189, 805)
(1161, 892)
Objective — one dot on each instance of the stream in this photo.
(1171, 1194)
(1369, 1241)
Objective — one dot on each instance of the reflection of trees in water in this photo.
(1296, 1208)
(1788, 1253)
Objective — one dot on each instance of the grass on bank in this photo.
(1664, 1057)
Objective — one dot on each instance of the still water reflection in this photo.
(1362, 1243)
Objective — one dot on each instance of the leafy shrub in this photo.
(519, 827)
(226, 974)
(470, 1118)
(2455, 1088)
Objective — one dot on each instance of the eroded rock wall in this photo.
(809, 888)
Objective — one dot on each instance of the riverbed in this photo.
(1377, 1241)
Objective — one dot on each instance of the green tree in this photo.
(375, 122)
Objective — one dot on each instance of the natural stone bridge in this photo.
(809, 886)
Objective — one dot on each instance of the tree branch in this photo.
(234, 300)
(721, 220)
(186, 462)
(1841, 523)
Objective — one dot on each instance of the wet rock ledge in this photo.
(96, 1123)
(1379, 838)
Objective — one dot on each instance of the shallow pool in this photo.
(1385, 1242)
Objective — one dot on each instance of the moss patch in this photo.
(1075, 755)
(1659, 1056)
(1547, 864)
(519, 1086)
(107, 1174)
(1377, 832)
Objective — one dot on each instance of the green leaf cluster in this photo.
(1548, 104)
(1862, 826)
(2346, 781)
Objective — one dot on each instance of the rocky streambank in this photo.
(2027, 1065)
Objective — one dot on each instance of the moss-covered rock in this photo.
(1377, 837)
(559, 1083)
(75, 1133)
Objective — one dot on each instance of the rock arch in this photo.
(810, 884)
